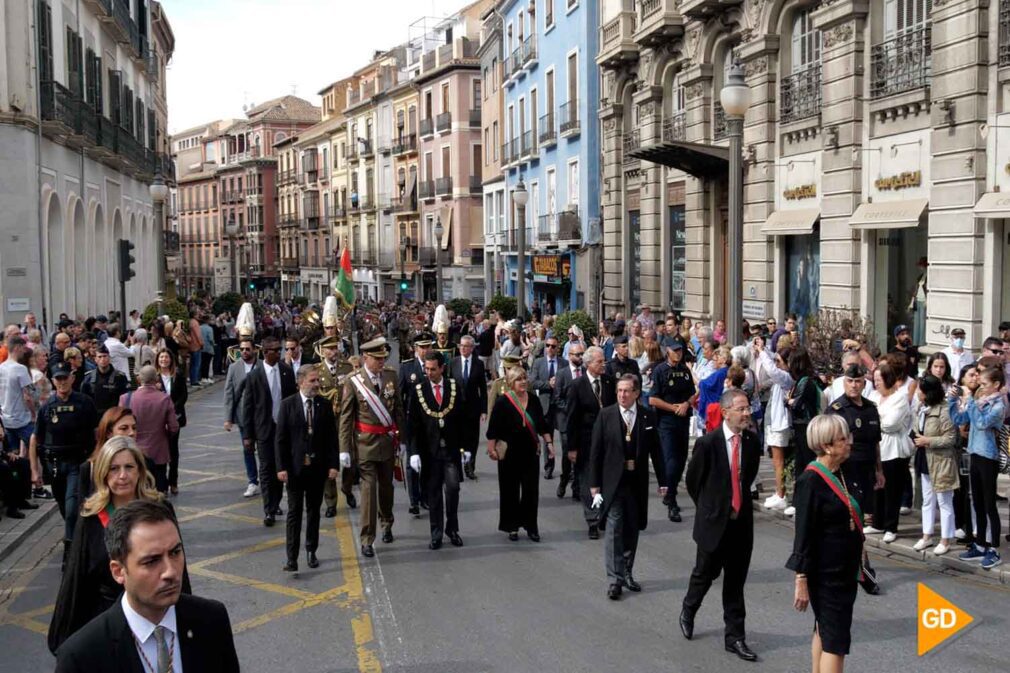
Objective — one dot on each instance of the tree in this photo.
(826, 333)
(569, 318)
(229, 301)
(175, 310)
(300, 301)
(504, 306)
(460, 307)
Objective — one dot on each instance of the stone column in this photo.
(613, 202)
(697, 80)
(649, 101)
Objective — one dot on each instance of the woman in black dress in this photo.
(828, 543)
(517, 420)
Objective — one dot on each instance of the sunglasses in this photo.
(246, 350)
(291, 348)
(552, 345)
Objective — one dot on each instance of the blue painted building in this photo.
(552, 142)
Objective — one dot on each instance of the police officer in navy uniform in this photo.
(672, 394)
(862, 468)
(412, 373)
(622, 363)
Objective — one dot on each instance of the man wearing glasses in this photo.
(234, 384)
(543, 380)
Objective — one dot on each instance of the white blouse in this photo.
(896, 420)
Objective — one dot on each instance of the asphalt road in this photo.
(492, 605)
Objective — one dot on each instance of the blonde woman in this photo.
(119, 476)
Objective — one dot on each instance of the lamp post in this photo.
(403, 275)
(520, 197)
(438, 260)
(231, 230)
(159, 192)
(735, 98)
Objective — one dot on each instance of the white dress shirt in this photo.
(729, 446)
(295, 364)
(166, 384)
(143, 632)
(119, 355)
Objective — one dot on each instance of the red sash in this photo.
(527, 421)
(847, 500)
(103, 516)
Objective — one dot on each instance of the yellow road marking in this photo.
(198, 513)
(260, 546)
(255, 584)
(361, 622)
(368, 659)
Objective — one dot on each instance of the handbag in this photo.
(501, 447)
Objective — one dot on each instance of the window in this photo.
(806, 42)
(573, 182)
(572, 4)
(446, 162)
(573, 77)
(905, 16)
(445, 97)
(487, 146)
(549, 90)
(45, 26)
(495, 140)
(476, 94)
(548, 14)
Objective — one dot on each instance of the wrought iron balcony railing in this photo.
(675, 127)
(405, 144)
(426, 127)
(443, 122)
(443, 186)
(528, 146)
(903, 63)
(426, 189)
(800, 94)
(719, 129)
(568, 115)
(1004, 33)
(548, 134)
(630, 142)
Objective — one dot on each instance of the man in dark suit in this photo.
(543, 381)
(153, 624)
(722, 467)
(625, 436)
(295, 356)
(586, 397)
(469, 373)
(266, 385)
(435, 444)
(306, 456)
(568, 374)
(412, 373)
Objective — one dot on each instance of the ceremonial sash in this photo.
(527, 420)
(832, 481)
(376, 405)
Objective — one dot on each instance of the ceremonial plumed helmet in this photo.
(330, 317)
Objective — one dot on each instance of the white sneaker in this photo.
(905, 511)
(940, 549)
(922, 544)
(775, 501)
(889, 537)
(789, 511)
(251, 490)
(870, 530)
(959, 532)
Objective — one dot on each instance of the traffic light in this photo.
(126, 260)
(403, 286)
(252, 285)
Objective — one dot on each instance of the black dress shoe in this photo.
(674, 515)
(455, 539)
(415, 510)
(278, 511)
(614, 592)
(313, 561)
(435, 544)
(549, 472)
(24, 504)
(687, 624)
(291, 567)
(562, 486)
(533, 536)
(594, 532)
(630, 582)
(367, 551)
(352, 502)
(424, 505)
(15, 514)
(740, 649)
(330, 512)
(387, 536)
(470, 472)
(269, 520)
(514, 536)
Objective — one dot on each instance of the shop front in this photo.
(552, 282)
(994, 208)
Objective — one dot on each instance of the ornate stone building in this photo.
(867, 145)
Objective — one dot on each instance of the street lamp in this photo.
(159, 192)
(735, 98)
(438, 259)
(232, 231)
(403, 275)
(520, 197)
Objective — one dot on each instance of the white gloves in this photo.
(415, 463)
(597, 501)
(466, 457)
(345, 460)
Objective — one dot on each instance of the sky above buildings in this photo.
(230, 53)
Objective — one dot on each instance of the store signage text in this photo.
(801, 192)
(905, 180)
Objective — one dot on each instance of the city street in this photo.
(491, 605)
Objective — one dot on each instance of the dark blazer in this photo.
(475, 390)
(559, 398)
(256, 416)
(426, 437)
(293, 441)
(540, 380)
(582, 410)
(606, 461)
(105, 644)
(179, 395)
(708, 484)
(411, 373)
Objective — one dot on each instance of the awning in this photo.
(994, 205)
(791, 222)
(889, 214)
(446, 215)
(697, 159)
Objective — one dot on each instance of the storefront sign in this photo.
(19, 305)
(905, 180)
(545, 265)
(753, 310)
(801, 192)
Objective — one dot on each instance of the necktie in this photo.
(275, 393)
(466, 371)
(164, 656)
(628, 420)
(578, 372)
(734, 469)
(308, 415)
(438, 394)
(550, 369)
(596, 388)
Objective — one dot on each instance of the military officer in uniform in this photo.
(333, 371)
(498, 386)
(672, 394)
(412, 373)
(371, 417)
(863, 465)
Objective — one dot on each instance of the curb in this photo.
(38, 518)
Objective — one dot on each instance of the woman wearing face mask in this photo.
(87, 588)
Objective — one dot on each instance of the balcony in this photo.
(366, 203)
(719, 129)
(630, 142)
(548, 136)
(426, 190)
(528, 146)
(701, 9)
(403, 206)
(355, 206)
(352, 152)
(506, 154)
(800, 94)
(443, 187)
(474, 118)
(901, 64)
(287, 221)
(385, 146)
(426, 256)
(569, 227)
(529, 52)
(61, 110)
(366, 148)
(122, 25)
(547, 231)
(366, 258)
(285, 178)
(659, 22)
(310, 222)
(443, 122)
(675, 127)
(289, 264)
(617, 41)
(514, 64)
(387, 260)
(232, 196)
(405, 144)
(426, 127)
(568, 117)
(476, 184)
(102, 8)
(1004, 33)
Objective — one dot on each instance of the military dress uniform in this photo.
(331, 385)
(861, 466)
(372, 441)
(673, 384)
(411, 373)
(498, 386)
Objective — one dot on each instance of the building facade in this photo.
(80, 122)
(872, 133)
(492, 57)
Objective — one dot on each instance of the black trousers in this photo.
(887, 507)
(205, 362)
(518, 491)
(674, 437)
(962, 505)
(173, 459)
(270, 487)
(620, 542)
(734, 558)
(591, 515)
(983, 495)
(439, 476)
(471, 438)
(304, 491)
(15, 482)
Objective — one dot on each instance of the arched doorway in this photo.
(56, 267)
(100, 255)
(80, 248)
